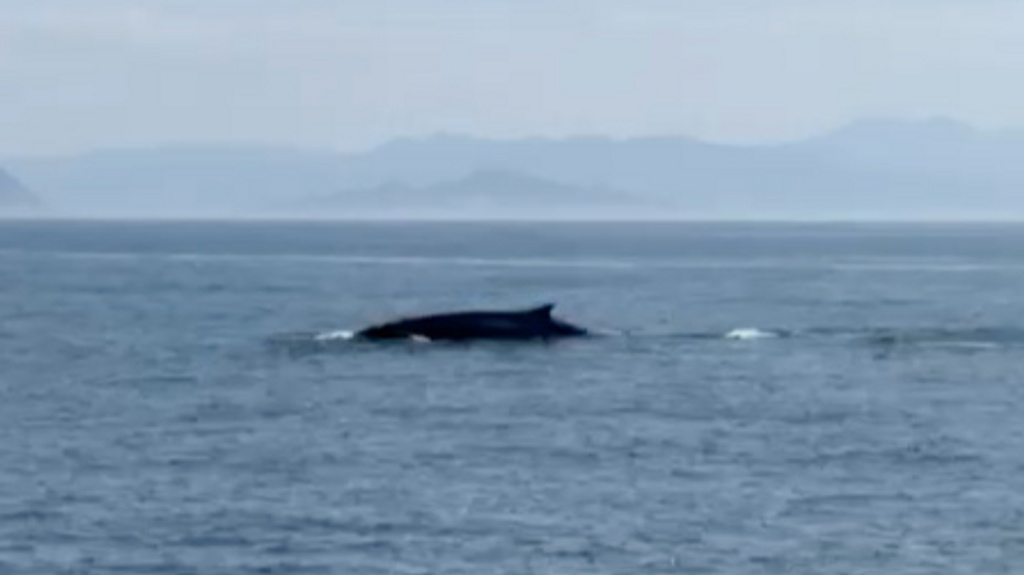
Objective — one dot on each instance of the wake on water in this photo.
(337, 340)
(887, 339)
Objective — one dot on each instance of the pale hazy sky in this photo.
(84, 74)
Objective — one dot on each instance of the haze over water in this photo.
(764, 399)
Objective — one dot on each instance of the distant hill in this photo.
(936, 147)
(872, 169)
(481, 194)
(15, 195)
(697, 180)
(650, 166)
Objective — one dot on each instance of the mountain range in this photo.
(482, 194)
(871, 169)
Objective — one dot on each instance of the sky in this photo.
(77, 75)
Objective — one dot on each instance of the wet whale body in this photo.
(536, 323)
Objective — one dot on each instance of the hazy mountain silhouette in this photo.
(870, 169)
(866, 170)
(481, 194)
(935, 147)
(15, 195)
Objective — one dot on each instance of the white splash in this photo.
(749, 333)
(335, 336)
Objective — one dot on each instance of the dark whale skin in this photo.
(536, 323)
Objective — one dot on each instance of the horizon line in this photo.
(456, 220)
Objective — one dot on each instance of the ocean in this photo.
(182, 397)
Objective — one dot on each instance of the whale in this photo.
(528, 324)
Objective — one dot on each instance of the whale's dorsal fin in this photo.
(542, 311)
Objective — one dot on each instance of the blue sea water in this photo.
(180, 398)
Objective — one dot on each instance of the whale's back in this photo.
(532, 323)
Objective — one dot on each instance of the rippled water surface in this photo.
(178, 398)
